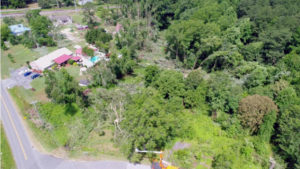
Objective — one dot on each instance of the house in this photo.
(83, 2)
(48, 60)
(18, 29)
(84, 82)
(60, 20)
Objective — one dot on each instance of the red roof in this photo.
(62, 59)
(76, 58)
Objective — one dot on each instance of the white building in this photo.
(47, 61)
(83, 2)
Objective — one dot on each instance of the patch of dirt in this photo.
(33, 5)
(60, 152)
(180, 145)
(72, 36)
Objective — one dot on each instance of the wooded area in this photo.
(233, 92)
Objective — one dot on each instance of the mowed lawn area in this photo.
(6, 158)
(19, 55)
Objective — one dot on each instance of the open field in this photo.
(19, 55)
(6, 158)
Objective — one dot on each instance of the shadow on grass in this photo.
(71, 109)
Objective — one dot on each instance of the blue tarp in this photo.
(18, 29)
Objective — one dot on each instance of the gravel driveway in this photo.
(17, 79)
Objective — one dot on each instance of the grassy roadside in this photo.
(19, 98)
(6, 158)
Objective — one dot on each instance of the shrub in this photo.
(102, 133)
(222, 161)
(71, 61)
(88, 51)
(183, 158)
(12, 60)
(151, 75)
(28, 64)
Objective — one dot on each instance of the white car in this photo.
(23, 71)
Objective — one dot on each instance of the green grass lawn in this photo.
(20, 55)
(6, 158)
(74, 71)
(77, 18)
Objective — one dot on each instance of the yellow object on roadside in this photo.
(171, 167)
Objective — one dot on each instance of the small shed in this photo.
(83, 2)
(18, 29)
(84, 82)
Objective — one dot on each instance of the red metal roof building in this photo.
(62, 59)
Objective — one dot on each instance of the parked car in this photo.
(35, 76)
(27, 74)
(23, 71)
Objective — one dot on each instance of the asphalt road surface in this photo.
(58, 11)
(27, 157)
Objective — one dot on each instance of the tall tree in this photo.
(288, 137)
(89, 14)
(252, 110)
(170, 84)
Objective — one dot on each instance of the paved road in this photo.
(58, 11)
(17, 10)
(27, 157)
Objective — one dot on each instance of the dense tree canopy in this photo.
(289, 136)
(150, 123)
(61, 87)
(170, 84)
(232, 92)
(97, 35)
(40, 28)
(14, 3)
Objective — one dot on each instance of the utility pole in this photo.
(75, 5)
(34, 102)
